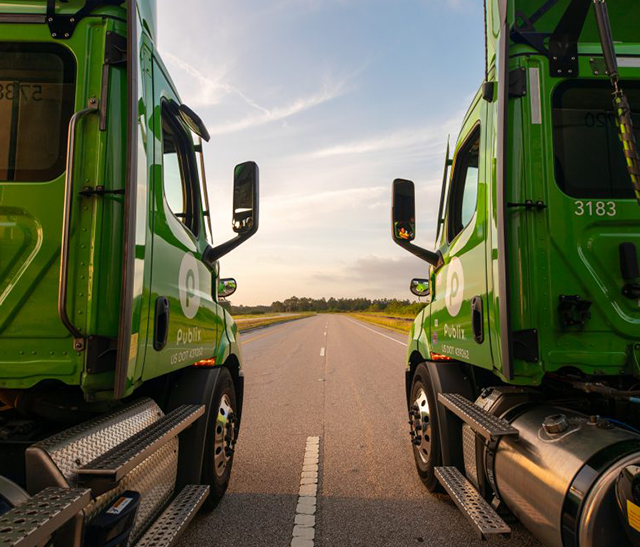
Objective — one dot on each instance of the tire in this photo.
(425, 434)
(222, 433)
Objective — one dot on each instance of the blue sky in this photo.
(333, 99)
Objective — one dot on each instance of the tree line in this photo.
(391, 306)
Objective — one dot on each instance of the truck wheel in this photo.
(424, 428)
(221, 439)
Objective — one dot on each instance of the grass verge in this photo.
(398, 324)
(257, 322)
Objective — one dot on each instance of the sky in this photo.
(333, 99)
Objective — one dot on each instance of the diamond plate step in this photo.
(484, 519)
(33, 521)
(104, 473)
(167, 529)
(482, 422)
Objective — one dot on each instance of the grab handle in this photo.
(66, 225)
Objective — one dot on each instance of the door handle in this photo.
(477, 322)
(161, 330)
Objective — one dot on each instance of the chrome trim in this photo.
(534, 96)
(130, 198)
(66, 225)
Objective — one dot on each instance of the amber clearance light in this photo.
(206, 363)
(440, 357)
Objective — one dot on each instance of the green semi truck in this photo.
(523, 371)
(120, 373)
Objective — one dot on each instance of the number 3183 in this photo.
(595, 208)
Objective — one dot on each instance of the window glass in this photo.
(37, 94)
(180, 172)
(470, 195)
(589, 158)
(173, 180)
(464, 190)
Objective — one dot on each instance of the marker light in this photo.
(205, 363)
(440, 357)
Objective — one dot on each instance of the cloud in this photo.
(425, 140)
(330, 91)
(375, 276)
(211, 90)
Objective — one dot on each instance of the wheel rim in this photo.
(420, 421)
(224, 436)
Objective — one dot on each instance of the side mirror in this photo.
(403, 210)
(226, 287)
(420, 287)
(246, 184)
(403, 221)
(245, 198)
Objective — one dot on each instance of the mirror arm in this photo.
(435, 259)
(212, 254)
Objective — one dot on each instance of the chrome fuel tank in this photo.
(559, 480)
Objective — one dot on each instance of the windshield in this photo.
(37, 92)
(589, 157)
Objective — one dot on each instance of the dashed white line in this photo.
(304, 524)
(321, 352)
(378, 333)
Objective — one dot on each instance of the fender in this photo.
(193, 386)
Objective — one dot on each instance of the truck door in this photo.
(37, 99)
(459, 310)
(184, 323)
(591, 312)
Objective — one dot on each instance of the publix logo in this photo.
(454, 293)
(189, 286)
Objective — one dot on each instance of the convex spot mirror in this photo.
(245, 198)
(226, 287)
(420, 287)
(403, 211)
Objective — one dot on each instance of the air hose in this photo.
(620, 102)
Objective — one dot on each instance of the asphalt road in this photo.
(341, 380)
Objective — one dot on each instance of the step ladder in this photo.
(484, 520)
(488, 426)
(106, 471)
(166, 530)
(32, 522)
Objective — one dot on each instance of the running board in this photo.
(169, 527)
(487, 425)
(107, 470)
(484, 520)
(32, 522)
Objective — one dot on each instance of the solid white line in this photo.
(321, 352)
(389, 337)
(305, 520)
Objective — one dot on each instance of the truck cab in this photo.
(109, 276)
(534, 282)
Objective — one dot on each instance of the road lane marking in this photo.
(305, 520)
(321, 352)
(379, 333)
